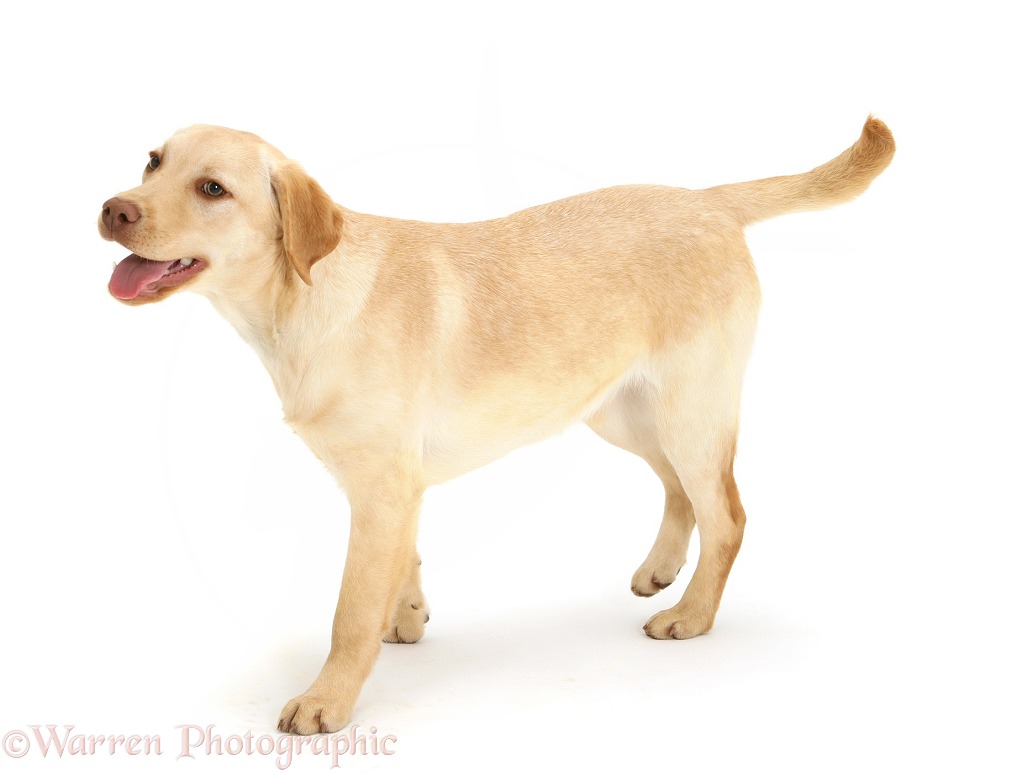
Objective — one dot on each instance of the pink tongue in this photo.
(133, 273)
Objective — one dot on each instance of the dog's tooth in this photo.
(186, 261)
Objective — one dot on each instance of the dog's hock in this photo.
(311, 223)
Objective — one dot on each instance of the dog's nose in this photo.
(117, 213)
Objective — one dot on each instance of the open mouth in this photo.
(136, 277)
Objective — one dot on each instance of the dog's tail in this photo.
(835, 182)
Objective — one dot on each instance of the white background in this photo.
(171, 553)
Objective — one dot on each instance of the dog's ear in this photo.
(311, 222)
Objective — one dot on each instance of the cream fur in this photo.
(408, 353)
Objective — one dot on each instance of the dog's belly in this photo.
(454, 442)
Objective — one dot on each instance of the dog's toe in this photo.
(310, 714)
(678, 623)
(408, 622)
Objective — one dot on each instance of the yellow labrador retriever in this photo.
(408, 353)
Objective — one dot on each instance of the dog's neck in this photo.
(282, 318)
(255, 320)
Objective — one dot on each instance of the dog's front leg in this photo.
(382, 549)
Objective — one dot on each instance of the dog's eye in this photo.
(212, 188)
(153, 162)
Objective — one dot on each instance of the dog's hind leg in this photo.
(696, 396)
(627, 421)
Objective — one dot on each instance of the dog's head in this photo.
(218, 210)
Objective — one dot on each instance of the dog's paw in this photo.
(678, 623)
(408, 622)
(652, 577)
(313, 713)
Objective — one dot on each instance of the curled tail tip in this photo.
(878, 133)
(835, 182)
